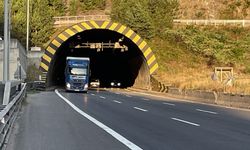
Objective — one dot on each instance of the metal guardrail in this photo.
(213, 22)
(9, 112)
(69, 20)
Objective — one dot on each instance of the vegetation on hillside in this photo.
(80, 6)
(41, 17)
(187, 56)
(148, 18)
(41, 25)
(227, 46)
(214, 9)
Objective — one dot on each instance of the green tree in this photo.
(162, 13)
(134, 14)
(41, 22)
(58, 7)
(41, 19)
(78, 6)
(18, 20)
(93, 4)
(73, 7)
(147, 17)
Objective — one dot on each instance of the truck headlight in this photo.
(119, 84)
(86, 86)
(112, 83)
(68, 85)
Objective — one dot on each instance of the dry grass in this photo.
(200, 79)
(213, 9)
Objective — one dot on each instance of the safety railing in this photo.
(69, 20)
(214, 22)
(14, 93)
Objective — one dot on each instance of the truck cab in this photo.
(77, 74)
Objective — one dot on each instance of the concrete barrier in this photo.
(240, 101)
(211, 97)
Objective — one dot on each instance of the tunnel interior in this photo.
(125, 64)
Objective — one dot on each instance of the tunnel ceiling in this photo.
(72, 42)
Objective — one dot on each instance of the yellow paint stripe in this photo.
(70, 32)
(122, 28)
(56, 43)
(130, 32)
(142, 45)
(51, 50)
(147, 52)
(136, 38)
(94, 24)
(150, 60)
(113, 26)
(79, 29)
(86, 25)
(44, 66)
(62, 37)
(104, 25)
(152, 69)
(47, 58)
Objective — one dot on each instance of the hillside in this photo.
(187, 56)
(214, 9)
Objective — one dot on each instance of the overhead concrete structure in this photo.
(132, 67)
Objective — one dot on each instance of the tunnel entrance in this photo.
(114, 55)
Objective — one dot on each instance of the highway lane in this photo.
(169, 125)
(46, 122)
(148, 122)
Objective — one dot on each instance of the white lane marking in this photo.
(110, 131)
(140, 109)
(128, 95)
(93, 94)
(187, 122)
(170, 104)
(102, 97)
(207, 111)
(146, 99)
(117, 93)
(117, 101)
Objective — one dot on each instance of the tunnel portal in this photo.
(116, 54)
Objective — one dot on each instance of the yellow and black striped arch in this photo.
(89, 25)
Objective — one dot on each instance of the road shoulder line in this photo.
(110, 131)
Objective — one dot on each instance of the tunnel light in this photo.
(79, 37)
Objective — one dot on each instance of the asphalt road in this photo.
(117, 120)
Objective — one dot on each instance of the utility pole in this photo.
(28, 24)
(6, 42)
